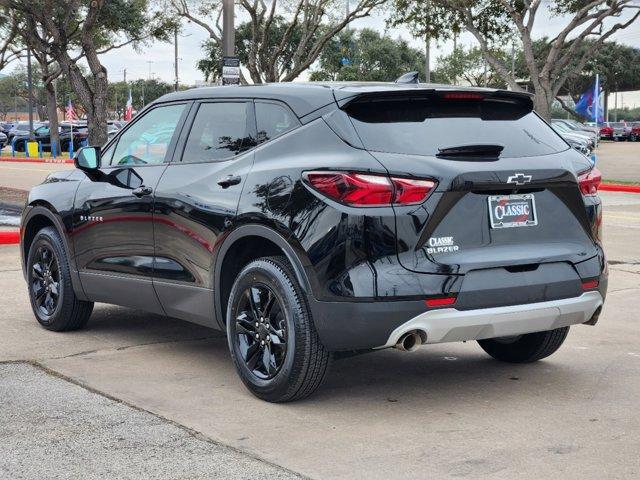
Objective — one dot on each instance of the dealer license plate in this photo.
(507, 211)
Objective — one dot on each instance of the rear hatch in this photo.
(507, 198)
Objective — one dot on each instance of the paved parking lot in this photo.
(444, 411)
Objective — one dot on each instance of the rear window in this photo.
(422, 126)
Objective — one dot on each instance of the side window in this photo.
(147, 140)
(273, 120)
(219, 131)
(105, 155)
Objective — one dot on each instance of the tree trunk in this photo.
(542, 105)
(97, 116)
(52, 113)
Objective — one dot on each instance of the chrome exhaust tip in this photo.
(410, 341)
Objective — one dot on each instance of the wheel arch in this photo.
(38, 215)
(243, 245)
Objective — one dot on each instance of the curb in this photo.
(36, 160)
(616, 187)
(9, 237)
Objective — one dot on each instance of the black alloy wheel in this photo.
(45, 281)
(271, 335)
(261, 331)
(53, 300)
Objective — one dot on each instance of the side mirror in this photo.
(87, 159)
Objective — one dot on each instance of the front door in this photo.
(113, 229)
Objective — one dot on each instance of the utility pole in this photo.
(30, 88)
(486, 73)
(427, 60)
(228, 29)
(348, 12)
(427, 56)
(149, 62)
(175, 60)
(513, 63)
(125, 75)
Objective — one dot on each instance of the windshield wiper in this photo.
(479, 151)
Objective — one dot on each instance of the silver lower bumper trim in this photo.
(451, 325)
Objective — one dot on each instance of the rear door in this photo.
(196, 202)
(522, 207)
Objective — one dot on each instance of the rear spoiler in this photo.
(346, 96)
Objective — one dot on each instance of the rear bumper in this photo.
(367, 325)
(451, 325)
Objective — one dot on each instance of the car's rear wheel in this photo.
(53, 300)
(525, 348)
(273, 341)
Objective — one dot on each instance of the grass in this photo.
(621, 182)
(6, 152)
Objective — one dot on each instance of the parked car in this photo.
(635, 132)
(3, 140)
(606, 132)
(309, 219)
(576, 140)
(43, 135)
(21, 129)
(6, 126)
(616, 131)
(579, 128)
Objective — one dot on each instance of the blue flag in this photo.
(590, 103)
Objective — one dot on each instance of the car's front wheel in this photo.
(273, 341)
(53, 300)
(525, 348)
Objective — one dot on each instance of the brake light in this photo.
(440, 302)
(590, 284)
(590, 181)
(365, 190)
(463, 96)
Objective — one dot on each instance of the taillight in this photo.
(590, 181)
(366, 190)
(440, 302)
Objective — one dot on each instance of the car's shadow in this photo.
(441, 374)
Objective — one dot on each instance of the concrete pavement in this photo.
(619, 161)
(25, 175)
(51, 428)
(444, 411)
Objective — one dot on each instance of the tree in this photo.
(468, 65)
(70, 30)
(11, 48)
(494, 22)
(365, 55)
(281, 39)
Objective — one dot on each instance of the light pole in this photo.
(427, 53)
(30, 88)
(228, 29)
(175, 60)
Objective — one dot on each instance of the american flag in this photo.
(71, 112)
(128, 111)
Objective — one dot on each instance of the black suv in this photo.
(312, 219)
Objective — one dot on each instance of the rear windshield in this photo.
(422, 126)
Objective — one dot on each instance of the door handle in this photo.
(142, 191)
(229, 181)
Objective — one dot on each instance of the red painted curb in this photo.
(36, 160)
(616, 187)
(9, 237)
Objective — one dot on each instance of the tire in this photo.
(296, 362)
(527, 348)
(65, 311)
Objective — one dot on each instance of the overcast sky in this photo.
(157, 58)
